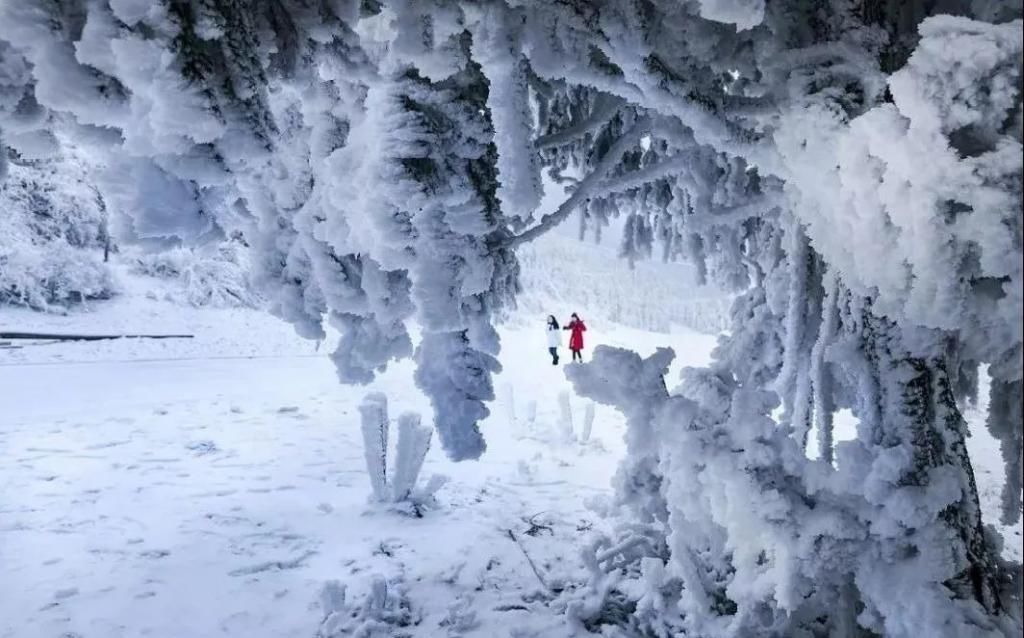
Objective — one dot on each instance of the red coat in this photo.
(576, 338)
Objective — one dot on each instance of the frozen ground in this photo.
(210, 487)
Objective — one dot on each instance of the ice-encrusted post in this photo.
(374, 413)
(531, 414)
(413, 443)
(565, 422)
(510, 403)
(588, 422)
(399, 487)
(381, 611)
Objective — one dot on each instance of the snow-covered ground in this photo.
(211, 486)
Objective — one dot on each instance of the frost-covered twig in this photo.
(624, 143)
(588, 422)
(413, 443)
(605, 107)
(510, 404)
(410, 452)
(536, 572)
(635, 179)
(531, 413)
(384, 609)
(374, 413)
(565, 416)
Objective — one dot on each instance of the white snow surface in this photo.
(211, 486)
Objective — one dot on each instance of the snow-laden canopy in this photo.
(854, 169)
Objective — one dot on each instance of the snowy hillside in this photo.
(561, 275)
(562, 272)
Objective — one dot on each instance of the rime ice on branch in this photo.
(852, 170)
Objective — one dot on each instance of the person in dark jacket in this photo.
(577, 327)
(554, 339)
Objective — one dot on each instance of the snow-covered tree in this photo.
(54, 239)
(851, 168)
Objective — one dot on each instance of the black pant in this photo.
(577, 354)
(554, 355)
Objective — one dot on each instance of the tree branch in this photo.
(583, 192)
(759, 207)
(605, 108)
(635, 179)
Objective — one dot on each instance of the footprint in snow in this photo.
(202, 448)
(62, 594)
(101, 446)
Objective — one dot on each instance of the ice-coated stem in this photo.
(588, 422)
(374, 413)
(566, 416)
(413, 443)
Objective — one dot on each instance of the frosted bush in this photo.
(214, 275)
(53, 238)
(50, 276)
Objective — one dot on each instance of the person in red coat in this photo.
(576, 338)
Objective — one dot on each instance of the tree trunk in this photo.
(918, 409)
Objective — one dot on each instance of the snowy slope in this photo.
(209, 487)
(561, 274)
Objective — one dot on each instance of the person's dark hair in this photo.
(552, 322)
(574, 316)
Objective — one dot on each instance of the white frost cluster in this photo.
(396, 481)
